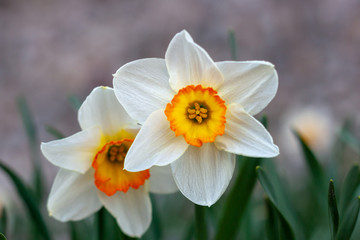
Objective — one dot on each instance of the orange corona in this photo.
(110, 175)
(197, 113)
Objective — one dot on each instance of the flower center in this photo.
(197, 113)
(110, 175)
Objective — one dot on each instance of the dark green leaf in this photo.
(264, 121)
(2, 237)
(316, 170)
(333, 210)
(286, 231)
(108, 228)
(266, 184)
(33, 141)
(27, 119)
(348, 221)
(53, 131)
(3, 220)
(189, 233)
(75, 102)
(200, 222)
(155, 223)
(237, 199)
(232, 43)
(29, 201)
(277, 227)
(348, 137)
(350, 185)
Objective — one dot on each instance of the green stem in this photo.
(100, 223)
(200, 223)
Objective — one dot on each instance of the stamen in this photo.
(197, 112)
(117, 153)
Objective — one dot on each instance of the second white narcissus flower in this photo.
(92, 162)
(196, 115)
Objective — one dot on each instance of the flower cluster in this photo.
(195, 116)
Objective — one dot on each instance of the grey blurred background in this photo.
(52, 49)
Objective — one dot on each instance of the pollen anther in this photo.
(197, 112)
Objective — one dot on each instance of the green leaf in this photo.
(269, 189)
(350, 185)
(348, 137)
(200, 223)
(155, 223)
(316, 170)
(237, 199)
(333, 210)
(189, 232)
(232, 43)
(348, 221)
(33, 142)
(277, 227)
(2, 237)
(3, 220)
(29, 201)
(75, 102)
(264, 121)
(53, 131)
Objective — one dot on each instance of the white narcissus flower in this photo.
(196, 115)
(92, 174)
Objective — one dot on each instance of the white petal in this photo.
(73, 196)
(190, 64)
(132, 210)
(252, 84)
(142, 86)
(244, 135)
(155, 144)
(102, 109)
(203, 173)
(161, 180)
(75, 152)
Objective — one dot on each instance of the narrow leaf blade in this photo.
(232, 43)
(54, 132)
(350, 185)
(2, 237)
(31, 132)
(333, 210)
(277, 226)
(315, 168)
(237, 200)
(28, 200)
(285, 230)
(75, 102)
(348, 221)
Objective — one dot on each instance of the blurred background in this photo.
(50, 50)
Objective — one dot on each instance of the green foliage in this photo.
(3, 220)
(237, 200)
(351, 183)
(200, 220)
(333, 210)
(232, 44)
(31, 132)
(29, 201)
(2, 237)
(315, 168)
(348, 220)
(277, 225)
(53, 131)
(75, 102)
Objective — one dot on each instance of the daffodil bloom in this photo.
(196, 115)
(92, 174)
